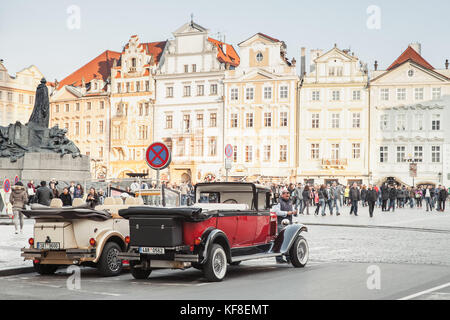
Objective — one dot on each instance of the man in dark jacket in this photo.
(442, 197)
(355, 196)
(384, 197)
(44, 195)
(392, 198)
(66, 198)
(371, 198)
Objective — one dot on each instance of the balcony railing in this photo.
(334, 163)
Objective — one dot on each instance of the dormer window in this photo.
(259, 57)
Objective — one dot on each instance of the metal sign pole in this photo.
(158, 182)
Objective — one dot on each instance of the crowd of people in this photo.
(336, 196)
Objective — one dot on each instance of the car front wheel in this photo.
(299, 252)
(216, 266)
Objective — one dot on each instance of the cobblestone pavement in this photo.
(10, 245)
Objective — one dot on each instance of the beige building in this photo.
(334, 119)
(132, 106)
(81, 104)
(261, 112)
(17, 94)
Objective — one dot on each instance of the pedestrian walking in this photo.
(428, 195)
(442, 197)
(306, 194)
(321, 194)
(392, 198)
(347, 195)
(18, 200)
(336, 192)
(43, 194)
(372, 197)
(384, 197)
(355, 196)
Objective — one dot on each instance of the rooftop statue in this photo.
(41, 110)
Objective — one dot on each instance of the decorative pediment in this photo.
(259, 74)
(409, 72)
(189, 28)
(335, 53)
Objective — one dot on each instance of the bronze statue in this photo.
(41, 110)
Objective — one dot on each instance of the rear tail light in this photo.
(273, 216)
(92, 241)
(36, 261)
(127, 239)
(125, 262)
(197, 241)
(31, 242)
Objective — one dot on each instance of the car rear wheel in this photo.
(45, 269)
(139, 273)
(299, 252)
(109, 265)
(216, 266)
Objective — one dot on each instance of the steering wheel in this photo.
(230, 201)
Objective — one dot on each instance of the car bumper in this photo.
(68, 256)
(174, 254)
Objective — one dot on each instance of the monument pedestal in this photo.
(45, 166)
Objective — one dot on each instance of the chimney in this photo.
(376, 65)
(416, 46)
(303, 61)
(446, 64)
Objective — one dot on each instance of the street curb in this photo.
(15, 271)
(377, 227)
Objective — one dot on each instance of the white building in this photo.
(334, 119)
(189, 108)
(410, 109)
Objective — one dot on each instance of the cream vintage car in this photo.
(78, 235)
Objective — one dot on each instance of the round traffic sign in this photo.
(7, 185)
(157, 156)
(16, 179)
(229, 150)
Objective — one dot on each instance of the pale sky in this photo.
(37, 32)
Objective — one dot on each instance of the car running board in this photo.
(255, 256)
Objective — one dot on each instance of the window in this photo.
(77, 128)
(119, 87)
(187, 91)
(200, 90)
(89, 106)
(66, 126)
(212, 147)
(335, 120)
(436, 122)
(100, 126)
(316, 95)
(384, 122)
(401, 122)
(128, 86)
(267, 119)
(259, 57)
(180, 147)
(146, 108)
(194, 68)
(335, 95)
(88, 127)
(314, 151)
(418, 93)
(199, 147)
(10, 96)
(356, 150)
(143, 132)
(249, 93)
(283, 153)
(233, 120)
(102, 104)
(141, 110)
(213, 120)
(213, 89)
(186, 68)
(57, 108)
(186, 122)
(383, 154)
(335, 151)
(401, 153)
(77, 107)
(248, 153)
(384, 94)
(147, 85)
(267, 152)
(249, 120)
(199, 120)
(315, 120)
(283, 92)
(20, 98)
(138, 86)
(418, 153)
(267, 93)
(234, 94)
(401, 94)
(235, 155)
(283, 119)
(169, 92)
(356, 123)
(169, 121)
(30, 98)
(116, 132)
(418, 117)
(410, 73)
(435, 154)
(356, 95)
(133, 62)
(436, 93)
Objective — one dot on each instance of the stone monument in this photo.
(36, 152)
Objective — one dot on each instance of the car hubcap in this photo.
(219, 263)
(113, 262)
(302, 251)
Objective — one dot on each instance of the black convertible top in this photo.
(39, 211)
(190, 214)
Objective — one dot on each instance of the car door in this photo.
(246, 228)
(227, 222)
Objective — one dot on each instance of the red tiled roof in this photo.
(99, 67)
(412, 55)
(231, 57)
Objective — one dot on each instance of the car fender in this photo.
(285, 239)
(103, 238)
(210, 236)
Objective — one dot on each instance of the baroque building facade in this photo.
(261, 112)
(410, 108)
(189, 106)
(334, 119)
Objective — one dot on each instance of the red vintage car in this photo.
(228, 223)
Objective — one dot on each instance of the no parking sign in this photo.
(157, 156)
(7, 185)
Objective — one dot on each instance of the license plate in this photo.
(48, 245)
(151, 250)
